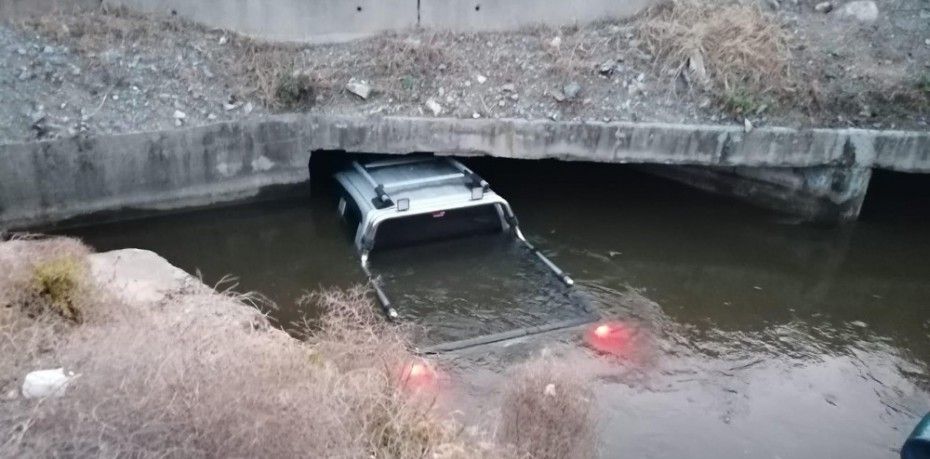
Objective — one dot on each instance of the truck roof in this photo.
(414, 185)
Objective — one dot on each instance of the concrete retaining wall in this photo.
(312, 21)
(14, 8)
(827, 194)
(512, 14)
(44, 182)
(318, 21)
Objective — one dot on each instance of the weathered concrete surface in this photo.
(311, 21)
(320, 21)
(470, 15)
(826, 194)
(45, 182)
(49, 181)
(620, 142)
(14, 8)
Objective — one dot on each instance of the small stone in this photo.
(747, 126)
(359, 88)
(606, 68)
(556, 42)
(549, 391)
(509, 87)
(476, 115)
(211, 117)
(823, 7)
(514, 96)
(115, 96)
(927, 42)
(481, 78)
(434, 107)
(558, 96)
(863, 11)
(223, 40)
(179, 115)
(501, 103)
(571, 90)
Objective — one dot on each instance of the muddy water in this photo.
(757, 336)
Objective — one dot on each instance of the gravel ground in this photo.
(116, 72)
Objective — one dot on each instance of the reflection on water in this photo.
(765, 338)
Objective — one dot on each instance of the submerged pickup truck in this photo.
(414, 200)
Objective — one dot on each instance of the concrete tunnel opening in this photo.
(597, 186)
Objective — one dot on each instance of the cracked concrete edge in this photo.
(44, 182)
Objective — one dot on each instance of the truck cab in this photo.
(418, 199)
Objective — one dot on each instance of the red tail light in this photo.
(609, 337)
(418, 375)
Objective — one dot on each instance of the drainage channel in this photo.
(750, 316)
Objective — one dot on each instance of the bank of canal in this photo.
(768, 338)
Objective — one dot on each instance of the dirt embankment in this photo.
(797, 63)
(158, 364)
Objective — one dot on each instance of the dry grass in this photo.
(171, 381)
(192, 376)
(43, 276)
(727, 48)
(423, 55)
(273, 72)
(547, 412)
(106, 28)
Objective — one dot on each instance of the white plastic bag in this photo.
(45, 383)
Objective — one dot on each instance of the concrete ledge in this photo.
(45, 182)
(618, 142)
(823, 194)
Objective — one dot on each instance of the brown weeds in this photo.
(46, 276)
(183, 378)
(547, 412)
(724, 47)
(100, 30)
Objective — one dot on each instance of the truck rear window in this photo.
(416, 229)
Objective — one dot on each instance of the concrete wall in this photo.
(826, 194)
(15, 8)
(512, 14)
(319, 21)
(816, 173)
(45, 182)
(314, 21)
